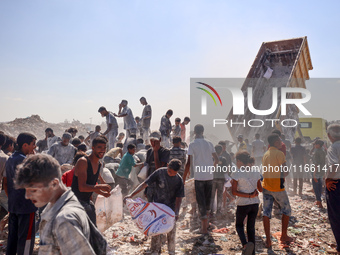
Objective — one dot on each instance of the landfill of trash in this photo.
(35, 125)
(308, 226)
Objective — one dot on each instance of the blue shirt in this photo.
(126, 165)
(17, 203)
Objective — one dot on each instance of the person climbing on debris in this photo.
(129, 121)
(125, 168)
(112, 126)
(145, 119)
(165, 129)
(168, 190)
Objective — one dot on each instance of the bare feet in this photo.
(268, 243)
(319, 204)
(332, 251)
(286, 239)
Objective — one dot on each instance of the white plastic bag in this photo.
(107, 176)
(151, 218)
(109, 210)
(268, 73)
(143, 172)
(133, 176)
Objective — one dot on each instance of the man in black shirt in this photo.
(156, 157)
(169, 190)
(86, 175)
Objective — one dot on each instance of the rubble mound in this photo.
(35, 125)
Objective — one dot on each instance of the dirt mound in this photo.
(34, 124)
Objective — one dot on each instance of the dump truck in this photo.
(312, 128)
(280, 64)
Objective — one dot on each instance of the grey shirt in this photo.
(129, 120)
(63, 154)
(52, 140)
(333, 157)
(64, 228)
(110, 119)
(165, 127)
(146, 113)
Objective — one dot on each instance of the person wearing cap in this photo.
(63, 151)
(156, 157)
(145, 119)
(319, 161)
(201, 153)
(242, 145)
(112, 127)
(129, 121)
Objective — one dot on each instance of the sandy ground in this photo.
(308, 225)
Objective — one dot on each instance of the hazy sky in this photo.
(64, 59)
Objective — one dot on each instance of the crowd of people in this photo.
(49, 186)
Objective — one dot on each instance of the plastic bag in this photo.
(109, 210)
(133, 176)
(268, 73)
(143, 172)
(107, 176)
(151, 218)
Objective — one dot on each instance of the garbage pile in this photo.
(34, 124)
(308, 226)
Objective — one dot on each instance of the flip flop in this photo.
(248, 250)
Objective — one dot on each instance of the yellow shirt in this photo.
(271, 176)
(242, 146)
(113, 153)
